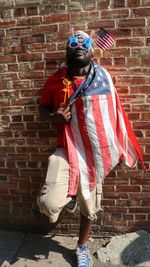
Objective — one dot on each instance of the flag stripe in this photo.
(109, 129)
(105, 42)
(83, 166)
(81, 114)
(101, 135)
(72, 154)
(93, 135)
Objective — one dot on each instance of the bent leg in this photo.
(54, 193)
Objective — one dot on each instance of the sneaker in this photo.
(83, 256)
(72, 205)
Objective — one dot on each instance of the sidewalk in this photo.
(20, 249)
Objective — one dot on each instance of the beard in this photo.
(76, 61)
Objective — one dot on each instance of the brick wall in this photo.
(32, 44)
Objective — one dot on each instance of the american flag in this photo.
(104, 39)
(99, 135)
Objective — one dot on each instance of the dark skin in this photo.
(78, 61)
(78, 64)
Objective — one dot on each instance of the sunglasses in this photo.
(73, 42)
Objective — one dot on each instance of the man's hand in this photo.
(61, 116)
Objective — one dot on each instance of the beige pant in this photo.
(54, 193)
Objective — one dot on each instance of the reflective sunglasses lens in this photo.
(73, 44)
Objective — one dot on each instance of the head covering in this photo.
(81, 34)
(78, 37)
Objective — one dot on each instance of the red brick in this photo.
(141, 125)
(119, 61)
(6, 24)
(21, 164)
(116, 210)
(141, 12)
(133, 3)
(32, 75)
(20, 31)
(19, 12)
(103, 4)
(38, 66)
(18, 49)
(51, 18)
(130, 42)
(54, 55)
(2, 33)
(105, 61)
(29, 172)
(13, 67)
(30, 57)
(108, 188)
(6, 134)
(144, 107)
(9, 171)
(32, 11)
(116, 13)
(32, 39)
(146, 188)
(131, 188)
(108, 202)
(133, 61)
(90, 15)
(29, 21)
(53, 28)
(145, 116)
(7, 59)
(134, 116)
(27, 150)
(43, 47)
(117, 52)
(132, 80)
(28, 118)
(131, 23)
(103, 23)
(118, 3)
(141, 32)
(140, 181)
(145, 61)
(148, 41)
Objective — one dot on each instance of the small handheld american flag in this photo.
(104, 39)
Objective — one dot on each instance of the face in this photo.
(78, 57)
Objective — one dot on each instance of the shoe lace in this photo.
(81, 257)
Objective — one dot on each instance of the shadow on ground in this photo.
(46, 249)
(138, 251)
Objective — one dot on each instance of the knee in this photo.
(48, 205)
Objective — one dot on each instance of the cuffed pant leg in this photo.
(89, 207)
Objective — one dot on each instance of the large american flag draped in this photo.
(104, 39)
(97, 136)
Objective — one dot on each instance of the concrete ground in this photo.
(19, 249)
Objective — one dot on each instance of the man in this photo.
(92, 137)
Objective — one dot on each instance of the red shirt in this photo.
(57, 91)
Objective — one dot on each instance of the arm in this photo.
(61, 116)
